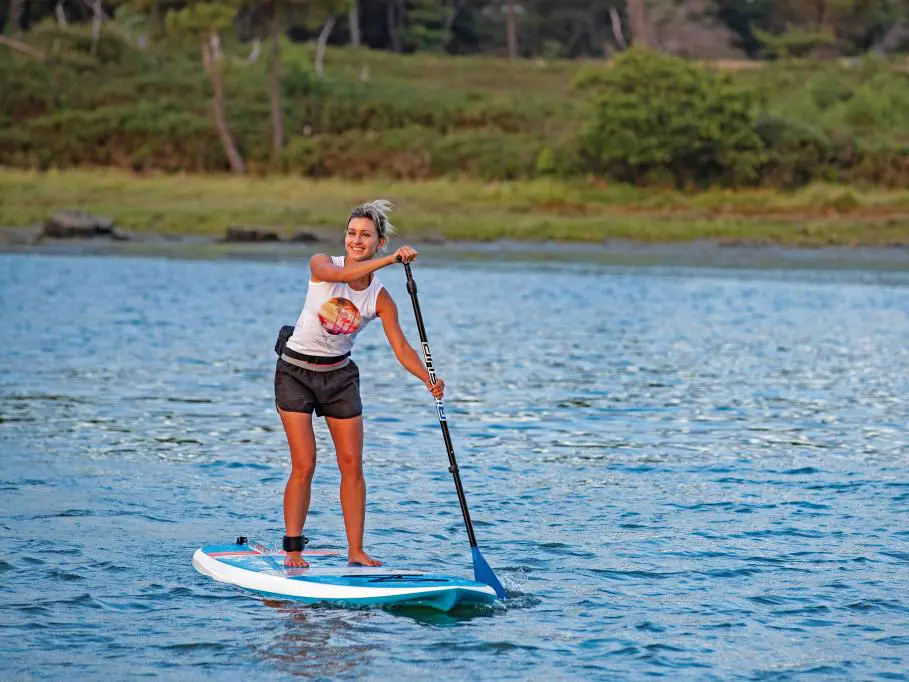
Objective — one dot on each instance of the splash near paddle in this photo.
(329, 579)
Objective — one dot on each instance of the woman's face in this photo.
(362, 239)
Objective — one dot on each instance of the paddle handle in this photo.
(440, 407)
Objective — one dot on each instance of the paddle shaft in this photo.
(443, 421)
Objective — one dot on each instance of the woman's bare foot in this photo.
(295, 560)
(361, 558)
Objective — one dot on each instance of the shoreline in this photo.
(711, 253)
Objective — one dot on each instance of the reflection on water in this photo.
(683, 473)
(316, 641)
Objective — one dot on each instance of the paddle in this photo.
(482, 572)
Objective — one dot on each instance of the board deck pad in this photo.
(329, 579)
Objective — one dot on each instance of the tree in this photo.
(203, 23)
(641, 28)
(511, 30)
(274, 79)
(311, 13)
(395, 11)
(778, 27)
(425, 26)
(14, 20)
(354, 21)
(323, 14)
(97, 18)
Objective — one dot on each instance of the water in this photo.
(689, 474)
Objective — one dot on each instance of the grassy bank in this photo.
(428, 117)
(581, 211)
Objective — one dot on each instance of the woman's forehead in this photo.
(361, 223)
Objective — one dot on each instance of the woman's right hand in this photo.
(405, 255)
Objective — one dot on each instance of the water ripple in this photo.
(679, 474)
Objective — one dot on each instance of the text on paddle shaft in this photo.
(427, 356)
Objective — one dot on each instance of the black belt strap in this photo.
(314, 359)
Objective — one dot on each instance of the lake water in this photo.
(681, 473)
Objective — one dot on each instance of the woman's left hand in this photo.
(437, 389)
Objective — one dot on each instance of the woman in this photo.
(315, 372)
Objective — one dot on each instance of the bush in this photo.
(659, 118)
(487, 154)
(880, 104)
(797, 153)
(75, 41)
(413, 153)
(885, 164)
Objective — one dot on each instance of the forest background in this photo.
(784, 120)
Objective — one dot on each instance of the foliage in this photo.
(412, 153)
(661, 118)
(199, 20)
(429, 115)
(424, 29)
(570, 28)
(794, 42)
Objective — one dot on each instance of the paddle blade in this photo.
(482, 573)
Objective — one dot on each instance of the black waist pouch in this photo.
(286, 332)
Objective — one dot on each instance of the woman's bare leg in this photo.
(348, 437)
(302, 443)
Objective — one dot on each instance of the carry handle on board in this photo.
(482, 572)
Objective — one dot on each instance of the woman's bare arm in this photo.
(324, 270)
(404, 352)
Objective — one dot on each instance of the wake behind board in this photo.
(329, 579)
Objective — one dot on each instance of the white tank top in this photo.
(333, 314)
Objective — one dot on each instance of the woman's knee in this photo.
(302, 469)
(350, 464)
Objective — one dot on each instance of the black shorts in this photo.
(329, 394)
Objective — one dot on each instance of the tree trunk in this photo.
(354, 20)
(391, 18)
(450, 20)
(96, 26)
(155, 20)
(274, 82)
(320, 46)
(61, 15)
(511, 31)
(211, 59)
(896, 34)
(616, 22)
(641, 31)
(16, 8)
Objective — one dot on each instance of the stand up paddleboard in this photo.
(329, 579)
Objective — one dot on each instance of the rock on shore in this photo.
(79, 225)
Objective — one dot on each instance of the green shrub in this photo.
(795, 42)
(881, 104)
(488, 154)
(658, 118)
(71, 42)
(797, 153)
(828, 89)
(885, 164)
(412, 153)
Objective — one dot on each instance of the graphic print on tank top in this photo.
(339, 315)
